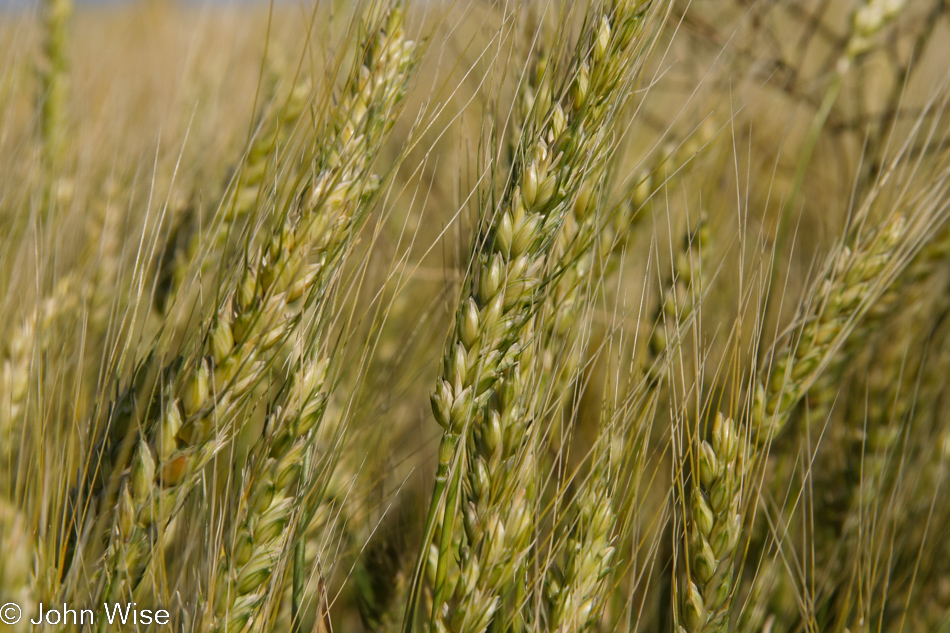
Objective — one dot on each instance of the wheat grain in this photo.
(714, 528)
(278, 283)
(267, 506)
(840, 298)
(564, 148)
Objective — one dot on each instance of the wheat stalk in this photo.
(714, 528)
(564, 148)
(279, 282)
(266, 507)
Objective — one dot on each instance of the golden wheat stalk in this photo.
(562, 148)
(268, 505)
(278, 283)
(714, 528)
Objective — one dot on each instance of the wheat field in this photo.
(470, 316)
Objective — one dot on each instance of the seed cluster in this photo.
(575, 592)
(268, 505)
(278, 283)
(855, 277)
(560, 155)
(714, 528)
(498, 501)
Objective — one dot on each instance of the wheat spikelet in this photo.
(278, 283)
(266, 509)
(554, 162)
(714, 528)
(54, 84)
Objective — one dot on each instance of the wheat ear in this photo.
(856, 278)
(575, 592)
(54, 83)
(553, 162)
(278, 283)
(867, 21)
(268, 504)
(714, 527)
(278, 122)
(29, 340)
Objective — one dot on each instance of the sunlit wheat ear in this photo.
(53, 97)
(200, 404)
(590, 244)
(497, 501)
(914, 280)
(575, 587)
(714, 526)
(579, 257)
(842, 295)
(563, 146)
(269, 504)
(855, 278)
(187, 244)
(867, 329)
(572, 259)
